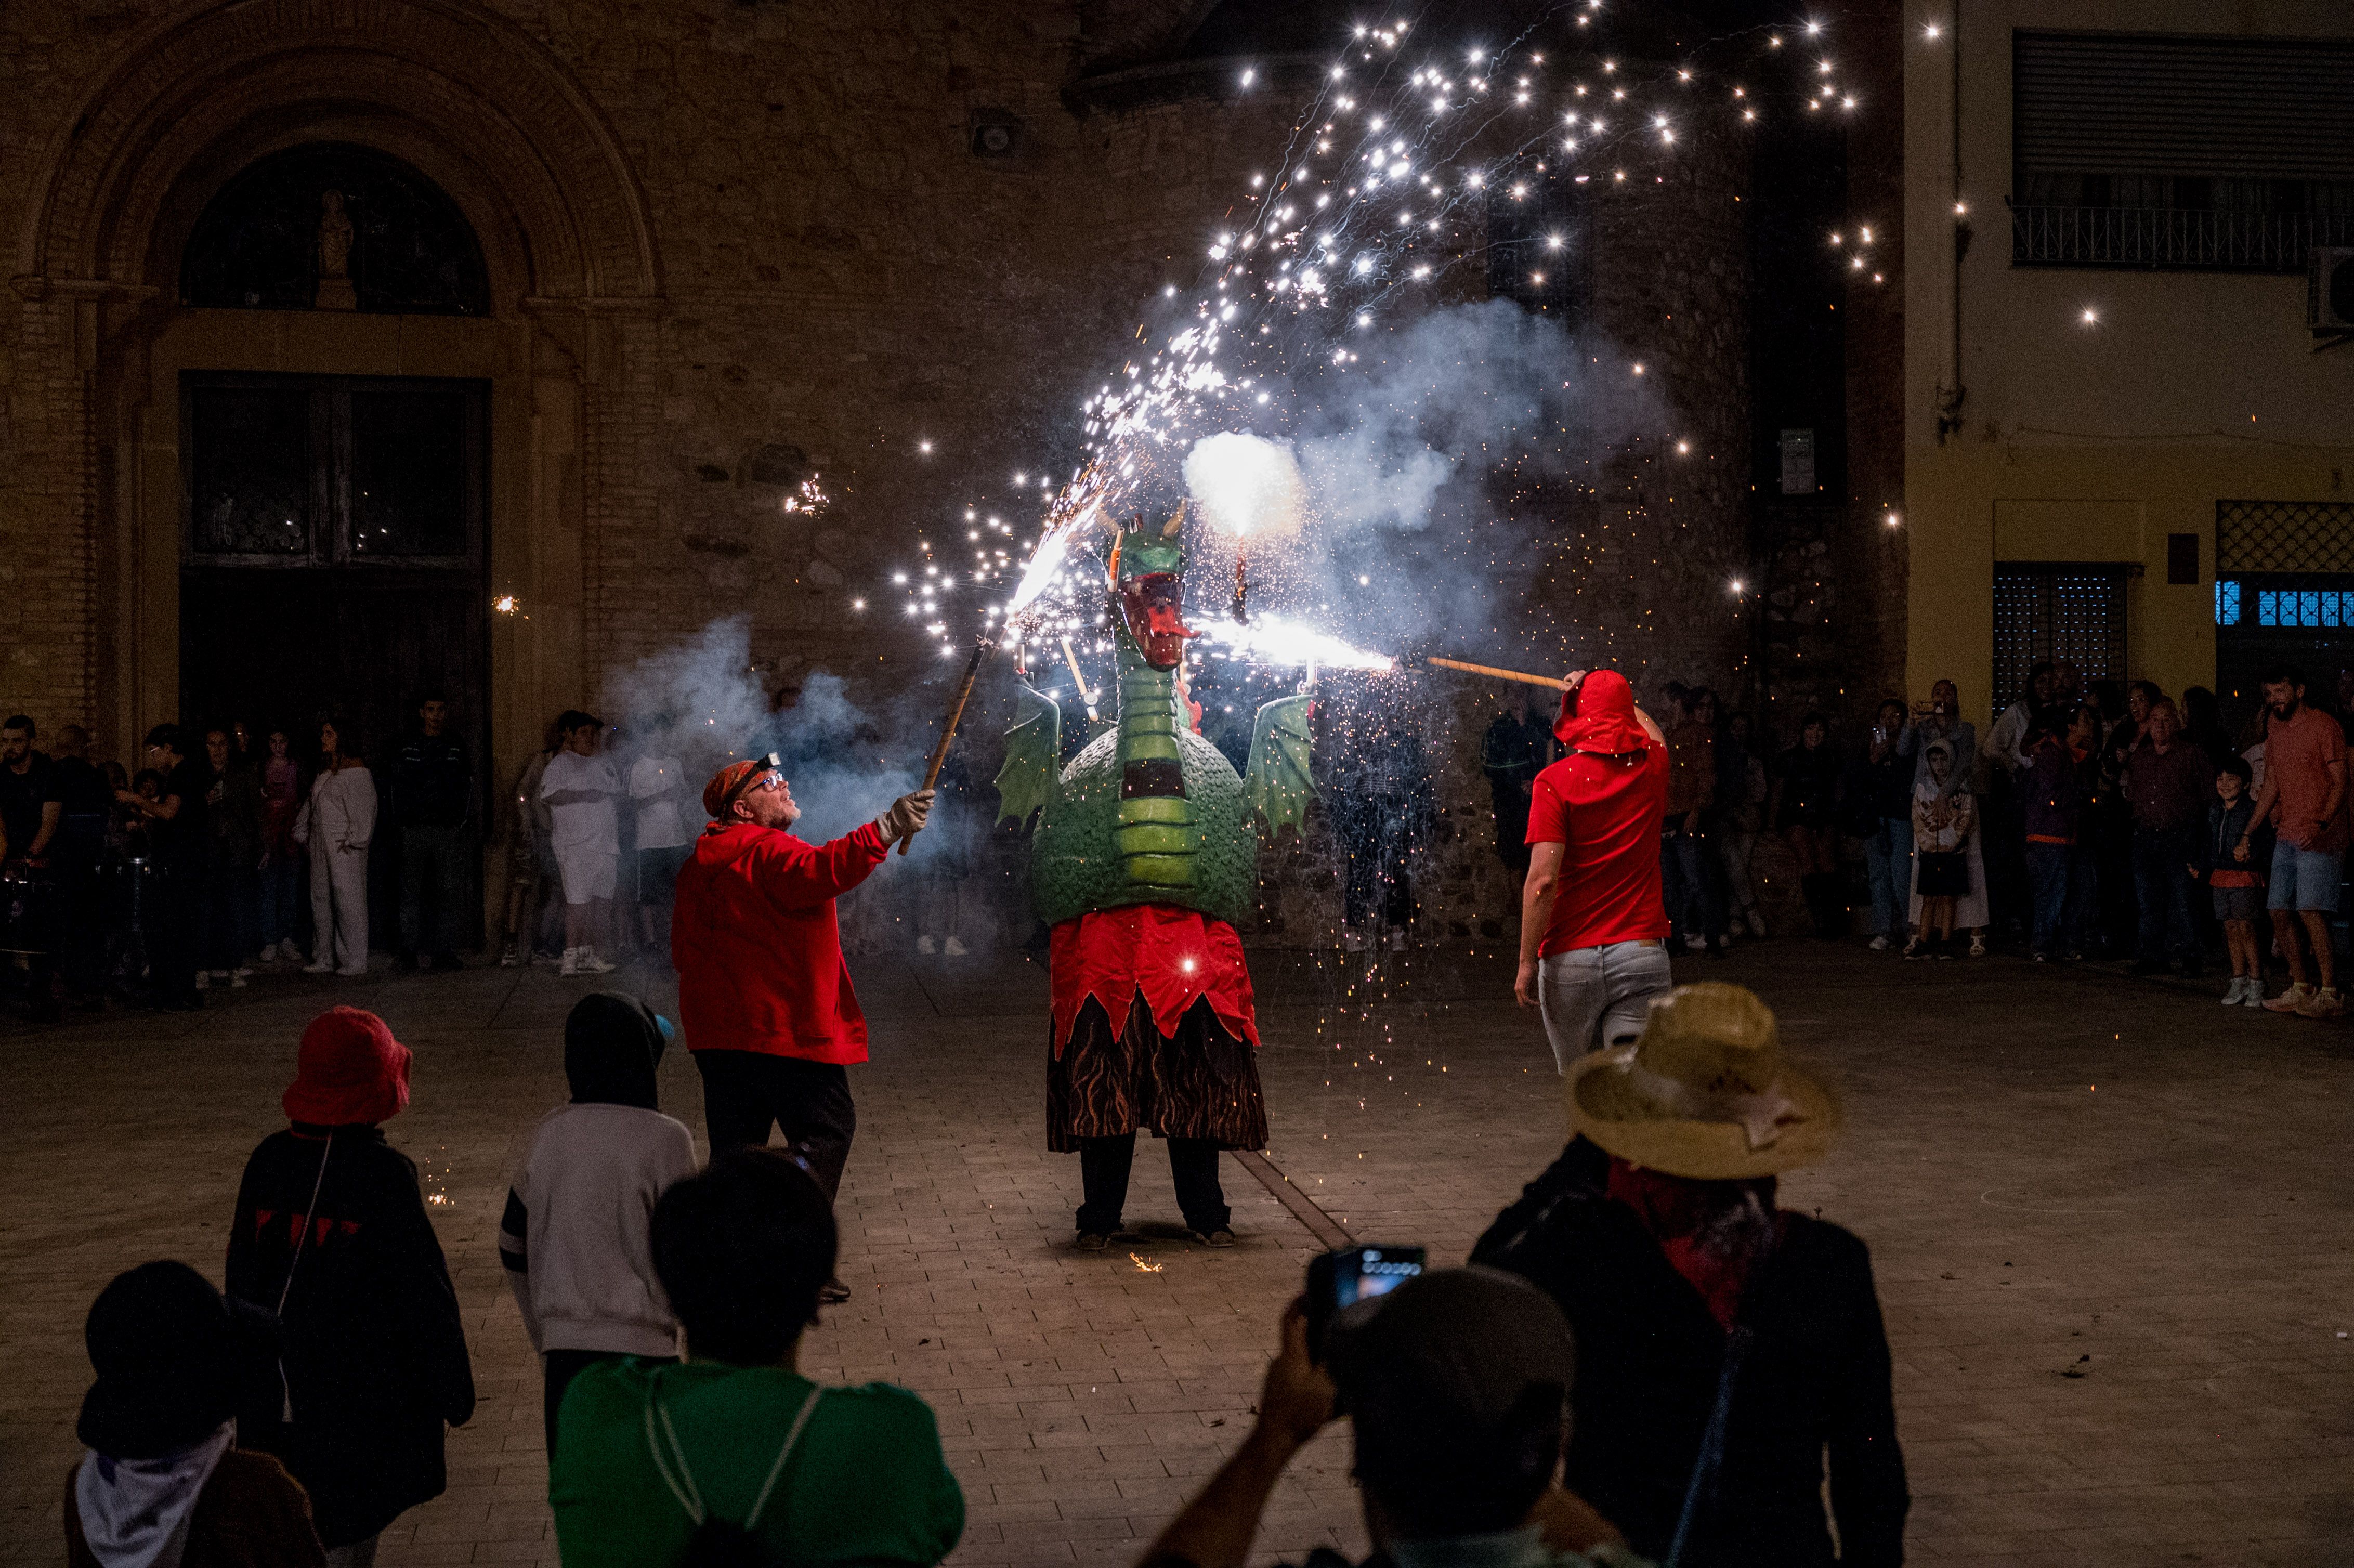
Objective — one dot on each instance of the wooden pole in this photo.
(1492, 673)
(947, 731)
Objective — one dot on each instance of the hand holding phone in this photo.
(1342, 1279)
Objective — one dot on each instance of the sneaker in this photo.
(1695, 944)
(926, 946)
(2255, 997)
(834, 1293)
(358, 973)
(1222, 1236)
(236, 979)
(318, 966)
(1090, 1242)
(1756, 924)
(510, 957)
(591, 964)
(1878, 944)
(2037, 958)
(1398, 939)
(954, 948)
(2293, 1000)
(2322, 1004)
(204, 978)
(1918, 948)
(2238, 990)
(242, 972)
(571, 964)
(1978, 944)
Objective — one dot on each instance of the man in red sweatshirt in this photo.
(763, 991)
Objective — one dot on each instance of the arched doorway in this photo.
(335, 544)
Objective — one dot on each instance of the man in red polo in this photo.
(763, 991)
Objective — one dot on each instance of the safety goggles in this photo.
(770, 773)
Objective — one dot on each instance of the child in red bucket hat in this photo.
(331, 1233)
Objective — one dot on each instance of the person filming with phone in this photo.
(1456, 1383)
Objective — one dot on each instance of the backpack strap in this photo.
(682, 1484)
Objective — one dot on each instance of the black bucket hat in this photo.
(174, 1359)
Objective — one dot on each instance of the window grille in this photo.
(2227, 603)
(2283, 537)
(2069, 610)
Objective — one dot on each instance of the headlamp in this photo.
(766, 770)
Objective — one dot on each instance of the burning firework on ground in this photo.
(1391, 176)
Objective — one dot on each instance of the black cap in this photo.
(1458, 1383)
(174, 1359)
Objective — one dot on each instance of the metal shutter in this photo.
(2075, 612)
(2123, 103)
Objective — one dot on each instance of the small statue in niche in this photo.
(335, 292)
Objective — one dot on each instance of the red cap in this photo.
(721, 791)
(350, 1072)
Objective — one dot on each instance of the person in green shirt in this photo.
(734, 1457)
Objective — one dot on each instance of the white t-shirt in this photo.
(583, 824)
(656, 780)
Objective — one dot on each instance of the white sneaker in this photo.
(926, 946)
(1695, 944)
(571, 964)
(954, 948)
(591, 964)
(1878, 944)
(204, 979)
(2255, 997)
(318, 966)
(236, 979)
(2238, 992)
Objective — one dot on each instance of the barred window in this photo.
(2071, 610)
(2283, 537)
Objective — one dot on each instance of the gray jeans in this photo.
(1594, 997)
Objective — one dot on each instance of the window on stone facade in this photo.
(249, 490)
(2071, 610)
(331, 226)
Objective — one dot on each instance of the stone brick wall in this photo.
(831, 275)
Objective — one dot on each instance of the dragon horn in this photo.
(1176, 521)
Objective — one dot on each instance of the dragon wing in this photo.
(1033, 755)
(1276, 783)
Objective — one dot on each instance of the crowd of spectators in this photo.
(2113, 822)
(233, 851)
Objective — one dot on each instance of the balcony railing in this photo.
(2178, 238)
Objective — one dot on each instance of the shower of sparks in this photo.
(807, 498)
(1381, 192)
(1143, 1264)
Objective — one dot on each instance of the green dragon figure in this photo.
(1150, 812)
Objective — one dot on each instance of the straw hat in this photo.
(1705, 1093)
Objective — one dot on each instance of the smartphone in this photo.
(1354, 1274)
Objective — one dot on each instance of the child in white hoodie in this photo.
(574, 1237)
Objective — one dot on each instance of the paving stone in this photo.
(2047, 1164)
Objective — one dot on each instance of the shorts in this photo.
(2306, 879)
(587, 870)
(658, 875)
(2238, 903)
(1591, 998)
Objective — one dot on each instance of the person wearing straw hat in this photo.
(1723, 1345)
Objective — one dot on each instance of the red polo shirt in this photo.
(756, 947)
(1603, 803)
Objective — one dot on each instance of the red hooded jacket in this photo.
(757, 949)
(1603, 803)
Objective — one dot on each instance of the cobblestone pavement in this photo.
(2110, 1222)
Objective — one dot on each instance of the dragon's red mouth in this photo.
(1152, 604)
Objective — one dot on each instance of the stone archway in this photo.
(494, 118)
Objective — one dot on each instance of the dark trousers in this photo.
(560, 1367)
(2063, 881)
(745, 1091)
(2163, 886)
(1104, 1165)
(1692, 893)
(434, 856)
(227, 939)
(173, 909)
(81, 846)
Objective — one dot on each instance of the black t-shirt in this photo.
(22, 795)
(186, 835)
(79, 786)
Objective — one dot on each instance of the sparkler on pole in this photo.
(981, 647)
(1086, 696)
(1495, 674)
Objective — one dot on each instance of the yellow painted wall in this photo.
(2086, 440)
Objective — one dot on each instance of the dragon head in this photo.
(1148, 574)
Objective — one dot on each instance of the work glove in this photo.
(906, 815)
